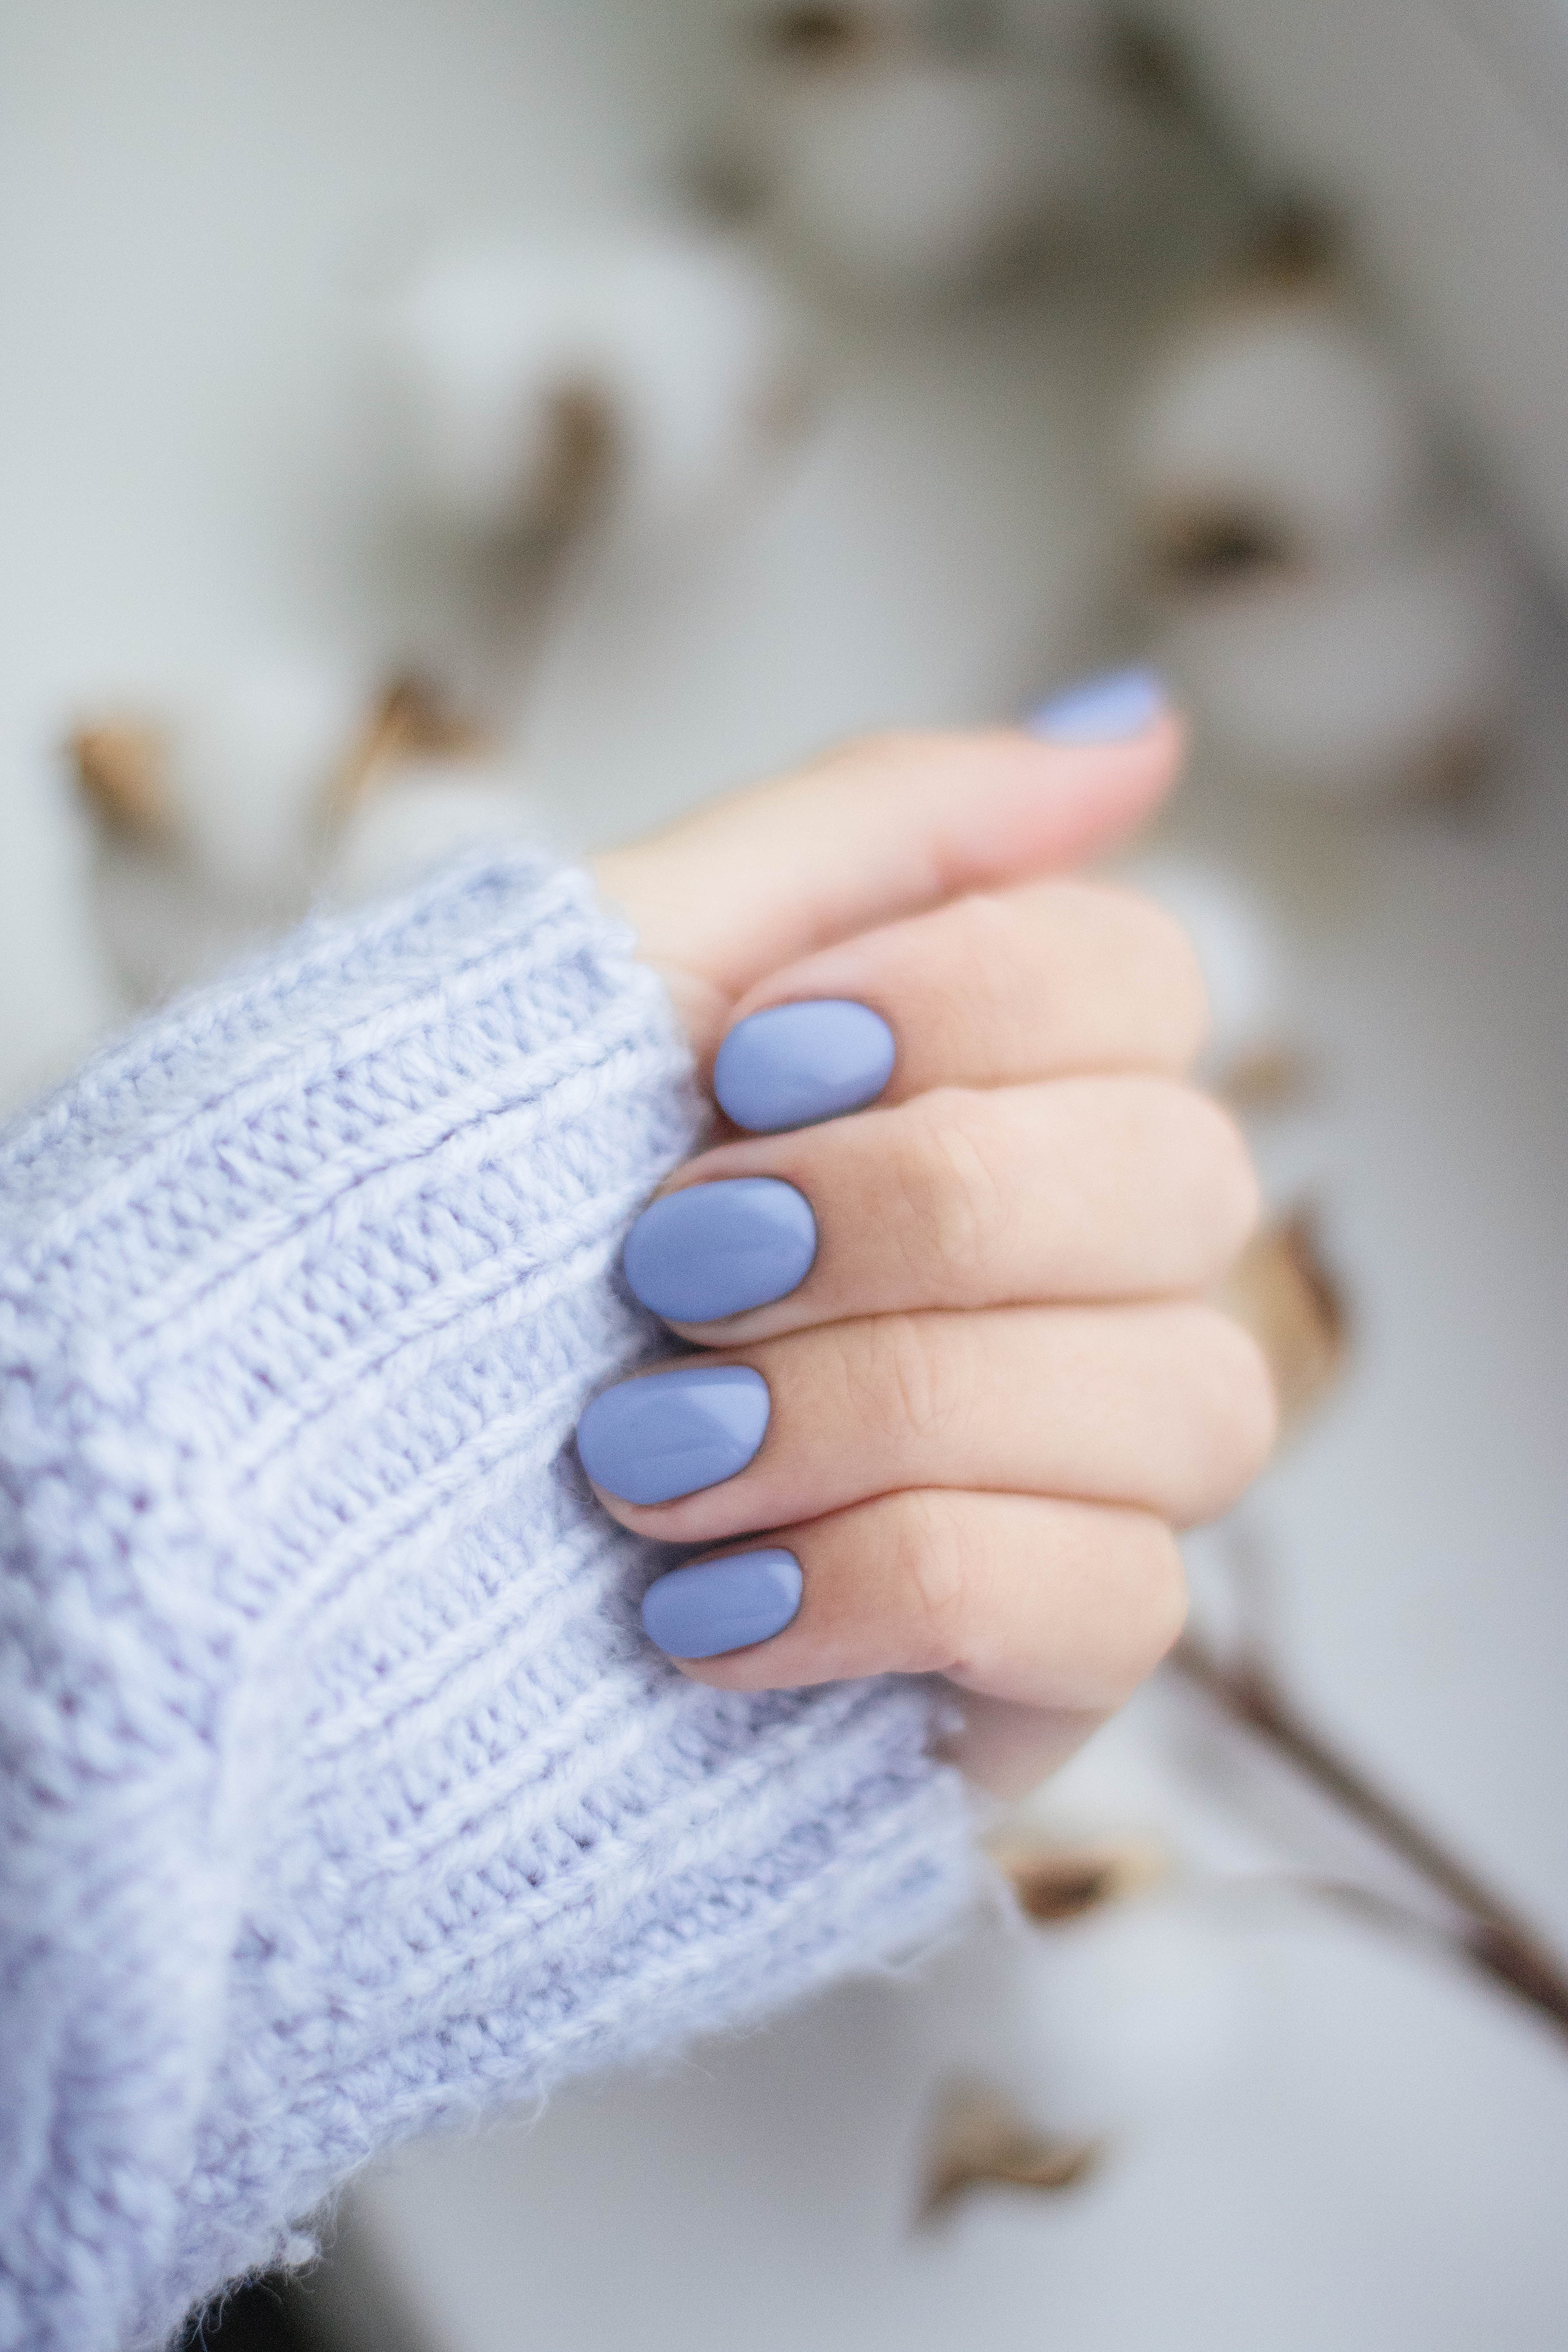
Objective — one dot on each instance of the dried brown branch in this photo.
(1301, 244)
(1269, 1078)
(518, 576)
(1288, 1298)
(1490, 1936)
(821, 35)
(1217, 546)
(410, 720)
(1053, 1881)
(122, 767)
(980, 2140)
(579, 460)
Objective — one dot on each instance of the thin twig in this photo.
(1465, 1947)
(1496, 1939)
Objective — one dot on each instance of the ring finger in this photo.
(1166, 1407)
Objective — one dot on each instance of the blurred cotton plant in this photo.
(1124, 1992)
(1251, 1058)
(1340, 611)
(543, 408)
(1112, 2000)
(548, 404)
(906, 157)
(228, 804)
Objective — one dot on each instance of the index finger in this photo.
(881, 828)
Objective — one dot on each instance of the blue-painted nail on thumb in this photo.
(1109, 710)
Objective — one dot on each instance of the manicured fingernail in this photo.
(723, 1604)
(797, 1064)
(649, 1440)
(717, 1249)
(1102, 710)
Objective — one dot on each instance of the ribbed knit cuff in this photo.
(339, 1792)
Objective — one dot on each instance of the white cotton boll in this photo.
(251, 754)
(916, 176)
(210, 800)
(220, 806)
(1279, 418)
(660, 358)
(1236, 942)
(1375, 681)
(425, 812)
(1129, 2012)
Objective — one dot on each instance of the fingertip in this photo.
(798, 1062)
(1031, 806)
(714, 1608)
(887, 826)
(1100, 792)
(1112, 708)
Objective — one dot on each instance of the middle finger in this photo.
(1092, 1188)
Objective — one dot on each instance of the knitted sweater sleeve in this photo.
(340, 1793)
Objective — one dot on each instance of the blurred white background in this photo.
(197, 202)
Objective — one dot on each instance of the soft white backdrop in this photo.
(193, 200)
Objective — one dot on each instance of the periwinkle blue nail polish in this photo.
(793, 1065)
(670, 1434)
(1107, 710)
(723, 1604)
(717, 1249)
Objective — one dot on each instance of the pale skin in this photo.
(1000, 1390)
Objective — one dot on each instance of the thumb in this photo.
(883, 827)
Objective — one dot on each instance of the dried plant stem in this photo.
(1283, 1290)
(517, 578)
(1493, 1938)
(408, 720)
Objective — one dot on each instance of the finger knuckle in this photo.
(1155, 1588)
(988, 931)
(935, 1573)
(954, 1187)
(1232, 1414)
(1158, 959)
(918, 1379)
(986, 944)
(1214, 1176)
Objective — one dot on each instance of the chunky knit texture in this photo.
(340, 1793)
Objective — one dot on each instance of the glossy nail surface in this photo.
(723, 1604)
(793, 1065)
(1106, 709)
(717, 1249)
(672, 1433)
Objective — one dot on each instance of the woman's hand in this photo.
(960, 1381)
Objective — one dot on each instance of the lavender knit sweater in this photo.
(340, 1793)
